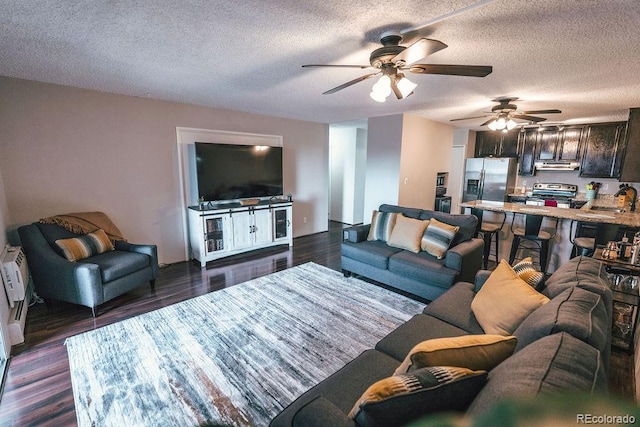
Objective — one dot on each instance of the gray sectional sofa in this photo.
(419, 274)
(562, 347)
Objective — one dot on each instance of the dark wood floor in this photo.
(38, 386)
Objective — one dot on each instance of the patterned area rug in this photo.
(233, 357)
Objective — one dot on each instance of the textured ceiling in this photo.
(579, 56)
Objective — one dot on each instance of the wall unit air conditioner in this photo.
(15, 275)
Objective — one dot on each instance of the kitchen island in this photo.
(595, 215)
(561, 245)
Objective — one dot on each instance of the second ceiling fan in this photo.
(392, 59)
(504, 115)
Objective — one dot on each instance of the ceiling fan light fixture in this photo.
(511, 124)
(493, 124)
(404, 85)
(501, 123)
(382, 89)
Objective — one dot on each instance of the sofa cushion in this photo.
(116, 264)
(321, 413)
(344, 387)
(527, 272)
(399, 399)
(476, 352)
(467, 223)
(77, 248)
(422, 267)
(53, 232)
(372, 252)
(407, 233)
(454, 307)
(576, 311)
(382, 224)
(584, 272)
(504, 301)
(556, 363)
(437, 238)
(408, 212)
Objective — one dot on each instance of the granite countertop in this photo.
(598, 213)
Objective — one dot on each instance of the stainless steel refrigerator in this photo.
(489, 178)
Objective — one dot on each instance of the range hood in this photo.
(556, 166)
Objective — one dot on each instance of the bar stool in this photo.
(488, 230)
(532, 232)
(586, 246)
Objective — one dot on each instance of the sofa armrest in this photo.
(150, 250)
(356, 234)
(321, 413)
(466, 257)
(481, 277)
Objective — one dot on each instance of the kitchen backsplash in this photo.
(607, 190)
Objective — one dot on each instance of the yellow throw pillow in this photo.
(504, 301)
(78, 248)
(438, 237)
(475, 352)
(407, 233)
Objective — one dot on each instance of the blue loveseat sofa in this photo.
(419, 274)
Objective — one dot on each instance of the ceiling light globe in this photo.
(492, 125)
(511, 124)
(377, 97)
(405, 86)
(501, 123)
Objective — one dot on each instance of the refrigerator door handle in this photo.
(481, 185)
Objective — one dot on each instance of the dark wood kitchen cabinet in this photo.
(631, 165)
(528, 140)
(556, 144)
(570, 143)
(495, 143)
(603, 151)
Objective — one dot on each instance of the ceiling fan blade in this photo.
(419, 50)
(467, 118)
(487, 122)
(542, 112)
(337, 66)
(452, 70)
(528, 118)
(435, 20)
(352, 82)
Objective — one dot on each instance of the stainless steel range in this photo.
(553, 194)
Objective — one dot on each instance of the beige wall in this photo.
(64, 149)
(426, 150)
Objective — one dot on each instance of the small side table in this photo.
(626, 300)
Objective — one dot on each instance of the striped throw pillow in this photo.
(437, 238)
(82, 247)
(382, 224)
(527, 272)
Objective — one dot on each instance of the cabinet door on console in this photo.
(262, 226)
(242, 223)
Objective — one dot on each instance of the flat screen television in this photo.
(232, 172)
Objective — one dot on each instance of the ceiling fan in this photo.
(505, 115)
(392, 60)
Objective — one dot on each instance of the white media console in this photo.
(225, 229)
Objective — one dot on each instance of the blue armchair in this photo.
(90, 281)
